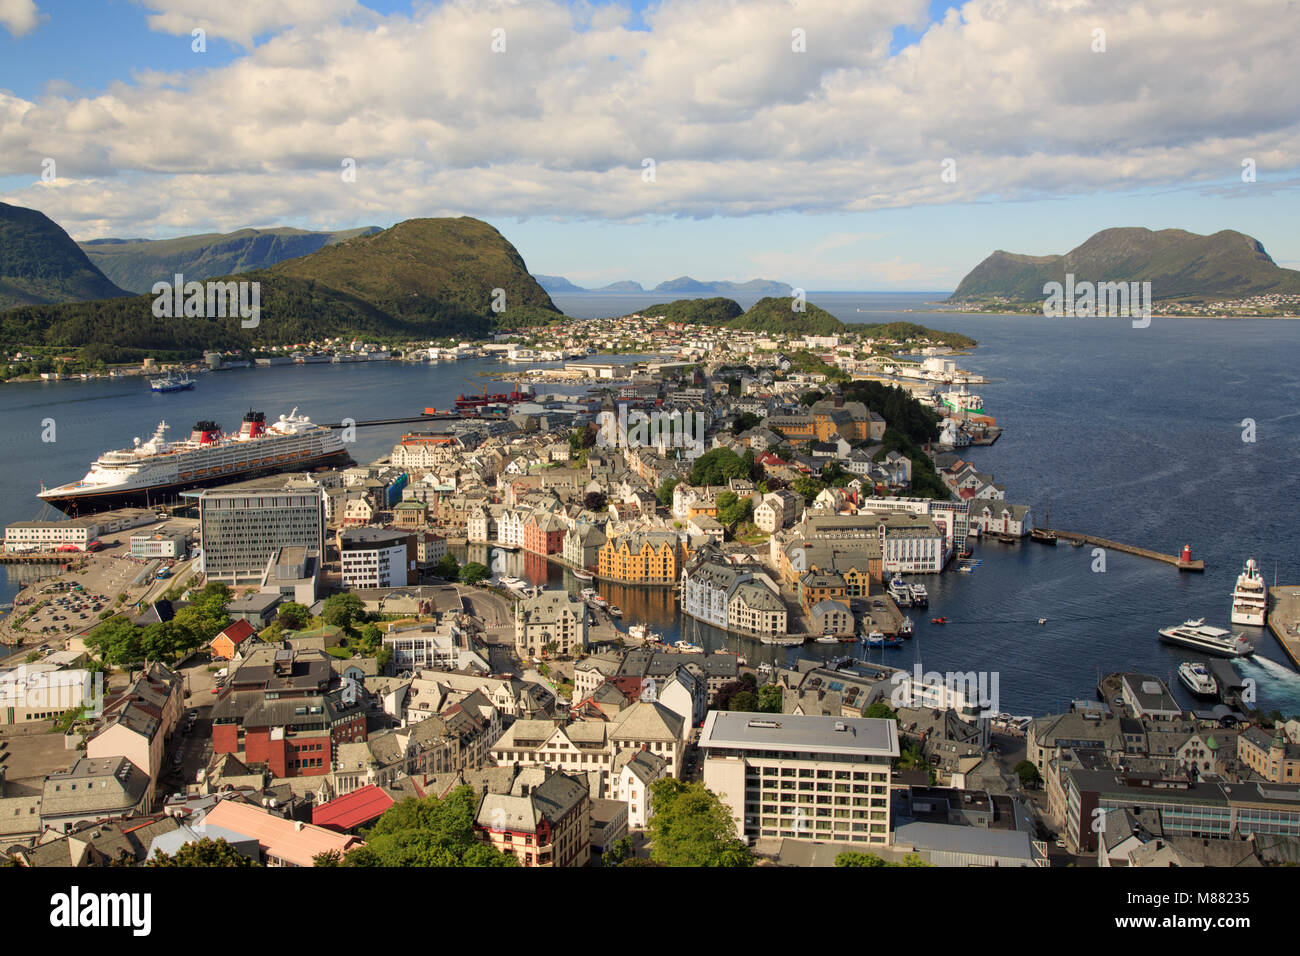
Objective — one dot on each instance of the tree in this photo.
(293, 616)
(854, 858)
(340, 610)
(665, 492)
(205, 852)
(474, 572)
(770, 699)
(328, 858)
(745, 421)
(746, 701)
(617, 852)
(428, 832)
(881, 711)
(716, 467)
(448, 568)
(690, 826)
(117, 641)
(1028, 774)
(732, 509)
(594, 501)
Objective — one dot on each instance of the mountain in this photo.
(40, 263)
(558, 284)
(685, 284)
(771, 314)
(420, 279)
(1178, 264)
(136, 264)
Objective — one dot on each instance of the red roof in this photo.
(238, 632)
(353, 809)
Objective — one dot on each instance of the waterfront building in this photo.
(1271, 755)
(737, 597)
(581, 545)
(239, 531)
(640, 557)
(820, 779)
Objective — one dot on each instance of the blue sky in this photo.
(818, 167)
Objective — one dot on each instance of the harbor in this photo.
(1284, 619)
(1183, 562)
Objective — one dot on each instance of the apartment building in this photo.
(239, 531)
(803, 777)
(645, 557)
(545, 819)
(552, 617)
(374, 558)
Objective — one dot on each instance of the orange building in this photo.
(646, 557)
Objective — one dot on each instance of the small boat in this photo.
(583, 575)
(905, 629)
(828, 639)
(1076, 543)
(893, 640)
(614, 611)
(938, 620)
(1042, 620)
(642, 632)
(1044, 535)
(1006, 538)
(686, 647)
(874, 639)
(966, 569)
(588, 593)
(965, 553)
(1198, 679)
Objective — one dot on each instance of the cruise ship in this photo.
(1200, 636)
(1250, 598)
(158, 470)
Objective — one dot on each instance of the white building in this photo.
(822, 779)
(632, 786)
(373, 558)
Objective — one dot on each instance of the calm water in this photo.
(1133, 434)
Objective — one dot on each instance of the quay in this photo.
(1176, 560)
(1284, 619)
(43, 558)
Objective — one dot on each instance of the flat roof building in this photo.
(822, 779)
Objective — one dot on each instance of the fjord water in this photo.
(1133, 434)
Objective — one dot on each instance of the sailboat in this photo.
(1044, 535)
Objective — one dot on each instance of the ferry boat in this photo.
(900, 592)
(1250, 597)
(156, 470)
(1197, 678)
(1200, 636)
(171, 383)
(920, 596)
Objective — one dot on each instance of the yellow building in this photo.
(1271, 756)
(645, 557)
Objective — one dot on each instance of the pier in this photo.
(1284, 619)
(1174, 559)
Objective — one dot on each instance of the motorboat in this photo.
(1198, 679)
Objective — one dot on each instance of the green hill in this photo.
(421, 279)
(136, 264)
(40, 263)
(1178, 264)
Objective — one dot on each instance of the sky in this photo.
(831, 144)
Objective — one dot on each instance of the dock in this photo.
(1284, 619)
(1174, 559)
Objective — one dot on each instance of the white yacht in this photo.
(920, 597)
(1200, 636)
(1250, 598)
(1198, 679)
(900, 592)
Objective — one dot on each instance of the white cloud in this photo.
(736, 121)
(19, 16)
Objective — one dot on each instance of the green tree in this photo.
(732, 509)
(448, 568)
(117, 641)
(428, 832)
(1028, 774)
(746, 701)
(341, 610)
(880, 711)
(474, 572)
(203, 852)
(617, 852)
(690, 826)
(745, 421)
(716, 467)
(665, 492)
(769, 699)
(293, 616)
